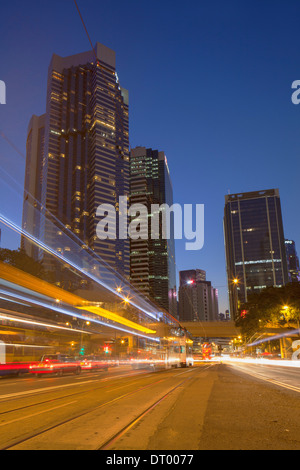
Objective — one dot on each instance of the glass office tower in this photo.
(84, 161)
(254, 244)
(152, 261)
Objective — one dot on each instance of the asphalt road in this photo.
(208, 407)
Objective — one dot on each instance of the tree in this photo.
(272, 306)
(20, 260)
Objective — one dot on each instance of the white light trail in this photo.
(73, 314)
(46, 325)
(49, 250)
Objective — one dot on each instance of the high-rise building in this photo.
(35, 151)
(78, 153)
(292, 261)
(191, 276)
(198, 300)
(254, 245)
(152, 261)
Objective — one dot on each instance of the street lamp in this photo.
(286, 308)
(235, 297)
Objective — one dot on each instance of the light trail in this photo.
(45, 325)
(12, 275)
(31, 346)
(27, 281)
(264, 374)
(274, 338)
(94, 257)
(59, 256)
(268, 362)
(112, 316)
(74, 313)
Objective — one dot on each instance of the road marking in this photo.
(8, 384)
(262, 377)
(36, 414)
(105, 379)
(46, 389)
(73, 384)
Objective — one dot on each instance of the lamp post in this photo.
(235, 284)
(283, 346)
(82, 349)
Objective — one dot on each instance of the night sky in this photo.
(209, 83)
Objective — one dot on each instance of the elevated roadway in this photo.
(212, 329)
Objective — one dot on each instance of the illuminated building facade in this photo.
(198, 300)
(254, 243)
(152, 261)
(84, 161)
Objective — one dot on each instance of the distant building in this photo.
(292, 261)
(152, 261)
(191, 276)
(173, 302)
(198, 300)
(254, 244)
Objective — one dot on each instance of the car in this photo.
(14, 369)
(57, 364)
(94, 363)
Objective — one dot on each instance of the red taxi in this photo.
(56, 364)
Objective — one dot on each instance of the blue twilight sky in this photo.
(209, 83)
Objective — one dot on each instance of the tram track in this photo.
(113, 440)
(95, 408)
(45, 390)
(80, 392)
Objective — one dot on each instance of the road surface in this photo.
(212, 406)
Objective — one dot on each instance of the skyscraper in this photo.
(152, 261)
(198, 300)
(293, 261)
(35, 151)
(254, 244)
(82, 158)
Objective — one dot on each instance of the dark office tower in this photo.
(292, 261)
(86, 155)
(198, 300)
(152, 261)
(254, 244)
